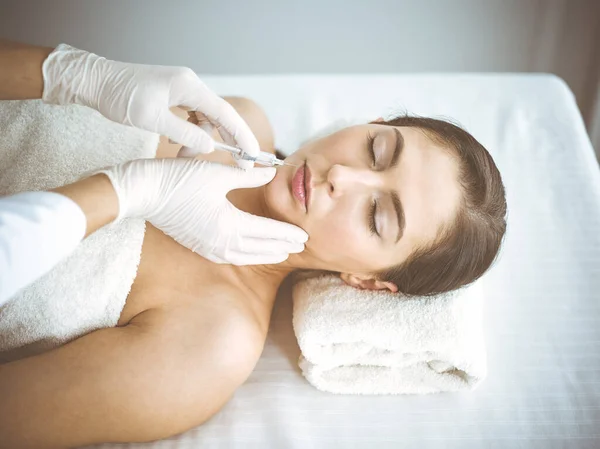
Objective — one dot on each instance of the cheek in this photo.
(332, 236)
(338, 241)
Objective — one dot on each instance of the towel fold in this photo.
(42, 147)
(368, 342)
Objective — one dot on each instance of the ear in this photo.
(378, 120)
(367, 282)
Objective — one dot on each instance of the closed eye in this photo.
(372, 215)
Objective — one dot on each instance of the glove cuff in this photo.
(65, 71)
(135, 184)
(112, 173)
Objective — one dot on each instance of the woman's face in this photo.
(367, 196)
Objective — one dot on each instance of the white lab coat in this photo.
(37, 230)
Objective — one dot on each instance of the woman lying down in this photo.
(411, 205)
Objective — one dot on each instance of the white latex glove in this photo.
(141, 95)
(187, 199)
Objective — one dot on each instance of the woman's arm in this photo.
(21, 70)
(160, 375)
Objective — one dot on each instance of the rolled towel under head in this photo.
(372, 342)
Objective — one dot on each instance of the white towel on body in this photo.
(42, 147)
(367, 342)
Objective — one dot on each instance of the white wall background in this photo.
(331, 36)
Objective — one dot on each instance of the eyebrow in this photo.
(399, 214)
(398, 149)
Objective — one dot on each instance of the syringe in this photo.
(263, 158)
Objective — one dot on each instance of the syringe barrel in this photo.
(267, 159)
(263, 157)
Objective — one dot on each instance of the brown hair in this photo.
(465, 248)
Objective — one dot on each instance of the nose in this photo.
(343, 179)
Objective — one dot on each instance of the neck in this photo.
(260, 279)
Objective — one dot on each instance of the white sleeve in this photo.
(37, 230)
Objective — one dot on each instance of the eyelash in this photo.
(372, 212)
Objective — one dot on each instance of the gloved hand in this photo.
(187, 199)
(141, 95)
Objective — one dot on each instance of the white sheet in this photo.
(542, 311)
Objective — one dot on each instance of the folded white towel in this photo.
(42, 147)
(367, 342)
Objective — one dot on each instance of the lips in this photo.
(298, 186)
(302, 186)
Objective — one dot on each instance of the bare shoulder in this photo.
(165, 372)
(219, 325)
(217, 332)
(209, 349)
